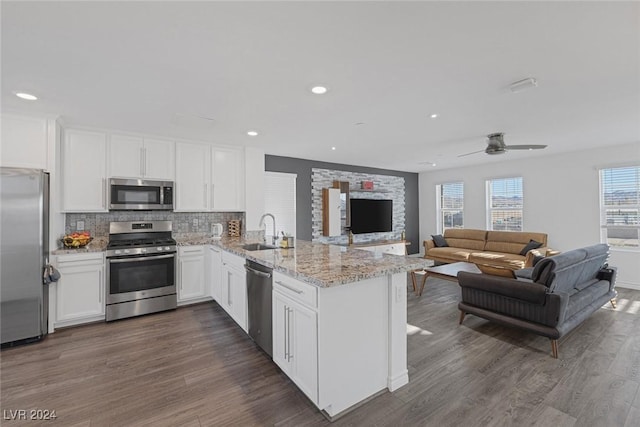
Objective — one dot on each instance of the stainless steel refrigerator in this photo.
(24, 253)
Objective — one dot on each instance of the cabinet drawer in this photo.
(233, 260)
(90, 258)
(190, 250)
(295, 289)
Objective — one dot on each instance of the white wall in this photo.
(561, 198)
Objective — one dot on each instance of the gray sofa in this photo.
(550, 299)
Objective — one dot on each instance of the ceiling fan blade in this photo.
(468, 154)
(525, 147)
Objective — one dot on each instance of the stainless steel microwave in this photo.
(140, 195)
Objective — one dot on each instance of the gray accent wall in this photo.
(303, 168)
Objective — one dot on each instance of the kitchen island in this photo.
(339, 317)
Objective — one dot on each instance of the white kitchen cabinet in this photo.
(191, 274)
(214, 272)
(208, 178)
(24, 142)
(84, 171)
(80, 292)
(234, 288)
(192, 177)
(227, 179)
(295, 342)
(136, 157)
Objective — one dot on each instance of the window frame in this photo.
(440, 210)
(490, 209)
(604, 227)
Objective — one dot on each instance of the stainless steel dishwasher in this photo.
(259, 287)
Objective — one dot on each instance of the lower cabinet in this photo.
(191, 274)
(80, 292)
(295, 343)
(233, 295)
(214, 272)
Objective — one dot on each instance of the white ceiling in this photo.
(151, 67)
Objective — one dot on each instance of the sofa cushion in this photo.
(465, 238)
(448, 253)
(439, 241)
(529, 246)
(511, 242)
(496, 271)
(499, 259)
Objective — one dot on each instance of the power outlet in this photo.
(80, 226)
(195, 222)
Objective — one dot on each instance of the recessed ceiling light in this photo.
(319, 90)
(427, 163)
(26, 96)
(333, 148)
(433, 116)
(252, 133)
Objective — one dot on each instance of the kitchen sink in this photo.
(258, 247)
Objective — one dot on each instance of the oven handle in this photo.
(138, 259)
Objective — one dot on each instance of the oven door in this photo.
(134, 278)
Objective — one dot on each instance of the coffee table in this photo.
(445, 271)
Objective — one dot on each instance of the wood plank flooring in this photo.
(195, 367)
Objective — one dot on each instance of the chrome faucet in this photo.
(263, 224)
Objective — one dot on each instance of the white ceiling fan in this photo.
(496, 145)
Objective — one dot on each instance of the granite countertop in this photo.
(98, 244)
(315, 263)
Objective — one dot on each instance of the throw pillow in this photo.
(536, 259)
(531, 245)
(439, 241)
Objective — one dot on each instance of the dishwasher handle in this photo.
(256, 272)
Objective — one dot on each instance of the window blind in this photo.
(505, 203)
(450, 205)
(620, 206)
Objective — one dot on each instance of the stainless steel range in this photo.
(141, 269)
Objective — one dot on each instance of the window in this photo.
(280, 200)
(450, 205)
(505, 204)
(620, 207)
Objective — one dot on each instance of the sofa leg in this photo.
(614, 303)
(462, 314)
(554, 348)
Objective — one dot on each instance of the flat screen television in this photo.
(371, 216)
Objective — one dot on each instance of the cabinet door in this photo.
(225, 289)
(303, 349)
(192, 284)
(24, 142)
(159, 159)
(192, 177)
(79, 292)
(227, 173)
(279, 324)
(84, 187)
(214, 277)
(125, 157)
(239, 297)
(295, 343)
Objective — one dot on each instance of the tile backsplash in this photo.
(183, 222)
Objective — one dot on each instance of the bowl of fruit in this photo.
(77, 240)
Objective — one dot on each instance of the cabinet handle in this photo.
(204, 196)
(191, 251)
(101, 288)
(229, 302)
(213, 192)
(104, 193)
(290, 311)
(286, 332)
(142, 162)
(297, 291)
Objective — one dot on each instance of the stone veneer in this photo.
(385, 187)
(98, 223)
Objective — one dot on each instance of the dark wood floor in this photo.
(195, 367)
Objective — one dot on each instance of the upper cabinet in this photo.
(84, 171)
(24, 142)
(227, 179)
(136, 157)
(208, 178)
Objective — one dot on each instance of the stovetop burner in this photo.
(140, 243)
(140, 238)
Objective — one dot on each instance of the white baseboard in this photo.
(398, 381)
(628, 285)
